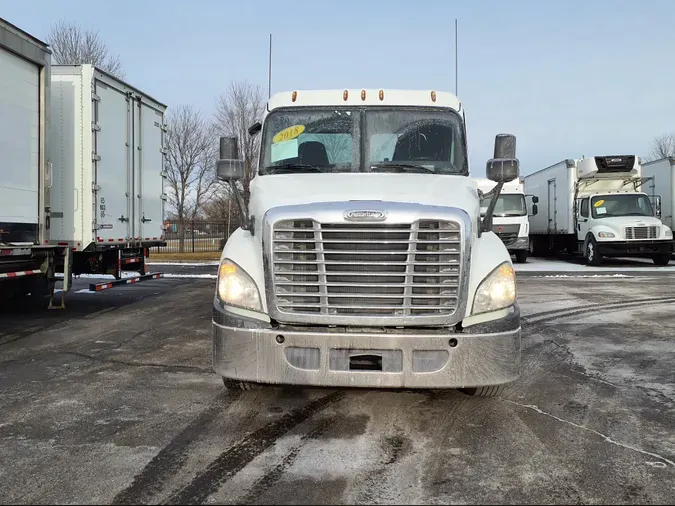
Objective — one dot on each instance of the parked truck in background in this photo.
(596, 206)
(661, 187)
(81, 172)
(510, 222)
(107, 149)
(364, 261)
(27, 257)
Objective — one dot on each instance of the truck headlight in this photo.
(496, 291)
(236, 287)
(605, 235)
(667, 232)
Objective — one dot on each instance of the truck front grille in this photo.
(642, 232)
(366, 270)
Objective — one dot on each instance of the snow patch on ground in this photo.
(624, 265)
(186, 264)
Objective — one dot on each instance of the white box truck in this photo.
(510, 222)
(661, 187)
(364, 261)
(107, 150)
(27, 260)
(595, 206)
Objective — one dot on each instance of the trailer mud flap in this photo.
(97, 287)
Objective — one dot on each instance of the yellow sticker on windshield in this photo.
(598, 203)
(288, 133)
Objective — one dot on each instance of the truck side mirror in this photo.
(230, 167)
(504, 165)
(657, 206)
(535, 209)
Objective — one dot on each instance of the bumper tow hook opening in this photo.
(280, 339)
(453, 342)
(365, 363)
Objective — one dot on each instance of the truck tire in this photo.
(662, 259)
(521, 256)
(591, 251)
(231, 384)
(486, 391)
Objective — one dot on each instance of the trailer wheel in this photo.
(231, 384)
(591, 251)
(487, 391)
(661, 260)
(521, 256)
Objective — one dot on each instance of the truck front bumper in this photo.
(483, 354)
(519, 244)
(634, 248)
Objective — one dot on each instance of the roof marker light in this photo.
(381, 94)
(433, 96)
(294, 95)
(363, 94)
(345, 95)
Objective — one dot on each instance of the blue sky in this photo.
(568, 78)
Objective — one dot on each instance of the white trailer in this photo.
(661, 186)
(107, 150)
(510, 221)
(594, 206)
(27, 260)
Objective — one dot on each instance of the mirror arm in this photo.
(487, 219)
(248, 223)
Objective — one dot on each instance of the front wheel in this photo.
(521, 256)
(486, 391)
(231, 384)
(662, 259)
(591, 252)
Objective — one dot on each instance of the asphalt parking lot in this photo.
(113, 400)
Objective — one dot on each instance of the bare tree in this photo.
(663, 146)
(236, 110)
(191, 162)
(71, 45)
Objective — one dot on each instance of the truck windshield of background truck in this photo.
(507, 205)
(630, 204)
(404, 139)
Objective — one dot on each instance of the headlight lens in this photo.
(496, 291)
(236, 287)
(606, 235)
(668, 232)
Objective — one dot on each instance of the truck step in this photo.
(96, 287)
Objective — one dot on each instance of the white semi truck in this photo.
(511, 222)
(595, 206)
(661, 187)
(364, 261)
(81, 173)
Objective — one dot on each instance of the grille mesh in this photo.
(641, 232)
(366, 269)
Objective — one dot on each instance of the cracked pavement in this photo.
(114, 401)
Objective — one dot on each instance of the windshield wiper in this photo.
(405, 167)
(292, 167)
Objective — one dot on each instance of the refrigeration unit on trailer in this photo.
(107, 150)
(364, 260)
(661, 186)
(595, 206)
(27, 261)
(510, 221)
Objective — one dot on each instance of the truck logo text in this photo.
(366, 215)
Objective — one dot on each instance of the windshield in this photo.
(507, 205)
(363, 140)
(607, 206)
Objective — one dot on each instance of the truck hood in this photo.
(430, 189)
(616, 224)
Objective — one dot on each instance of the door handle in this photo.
(144, 219)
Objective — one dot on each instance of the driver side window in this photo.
(584, 208)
